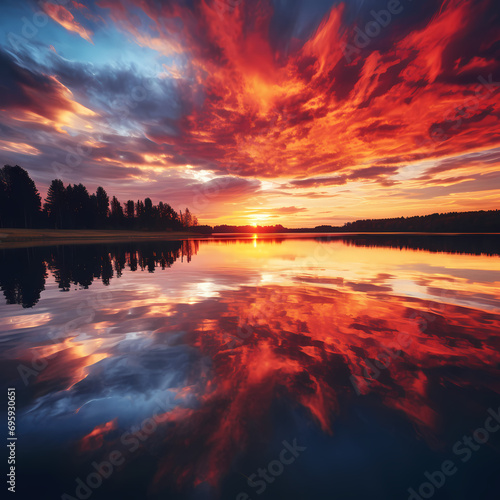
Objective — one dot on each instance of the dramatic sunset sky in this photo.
(258, 111)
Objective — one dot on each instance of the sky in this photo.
(293, 112)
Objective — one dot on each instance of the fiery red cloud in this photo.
(269, 113)
(372, 99)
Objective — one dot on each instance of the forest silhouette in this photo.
(73, 207)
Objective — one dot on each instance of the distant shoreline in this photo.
(16, 237)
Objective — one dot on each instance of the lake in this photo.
(244, 367)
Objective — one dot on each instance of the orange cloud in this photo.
(291, 112)
(274, 115)
(95, 438)
(66, 19)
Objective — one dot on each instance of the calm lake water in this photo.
(343, 367)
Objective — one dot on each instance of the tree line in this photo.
(453, 222)
(73, 207)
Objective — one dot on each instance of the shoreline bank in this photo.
(15, 237)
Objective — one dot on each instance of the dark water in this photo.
(346, 367)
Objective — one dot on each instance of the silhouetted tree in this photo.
(139, 210)
(102, 200)
(21, 201)
(56, 204)
(129, 209)
(80, 207)
(168, 216)
(73, 207)
(22, 275)
(117, 217)
(3, 201)
(187, 219)
(148, 207)
(130, 214)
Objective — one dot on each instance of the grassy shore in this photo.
(29, 237)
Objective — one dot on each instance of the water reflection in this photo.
(23, 271)
(478, 244)
(336, 343)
